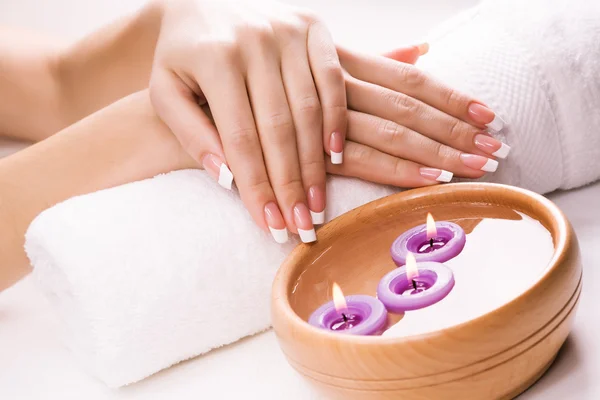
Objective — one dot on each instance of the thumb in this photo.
(178, 108)
(408, 55)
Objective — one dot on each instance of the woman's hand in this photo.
(276, 91)
(407, 129)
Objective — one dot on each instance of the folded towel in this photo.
(537, 64)
(151, 273)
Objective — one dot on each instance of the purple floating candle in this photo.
(413, 286)
(352, 315)
(434, 241)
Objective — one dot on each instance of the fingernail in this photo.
(336, 148)
(316, 201)
(423, 48)
(484, 115)
(303, 221)
(435, 174)
(218, 170)
(479, 162)
(276, 223)
(492, 146)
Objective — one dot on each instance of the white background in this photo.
(33, 365)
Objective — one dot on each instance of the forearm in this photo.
(29, 93)
(47, 86)
(122, 143)
(110, 63)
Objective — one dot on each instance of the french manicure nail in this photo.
(492, 146)
(316, 201)
(304, 224)
(218, 170)
(336, 148)
(423, 48)
(276, 223)
(435, 174)
(479, 162)
(484, 115)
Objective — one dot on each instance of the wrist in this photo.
(111, 63)
(158, 146)
(153, 11)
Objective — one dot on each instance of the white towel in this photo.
(536, 63)
(151, 273)
(155, 272)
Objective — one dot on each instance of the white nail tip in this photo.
(497, 124)
(445, 176)
(502, 152)
(337, 158)
(225, 177)
(307, 236)
(280, 235)
(490, 165)
(318, 217)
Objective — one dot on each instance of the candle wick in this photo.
(414, 284)
(431, 242)
(344, 317)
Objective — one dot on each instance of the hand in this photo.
(407, 129)
(276, 91)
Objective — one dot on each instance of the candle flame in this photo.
(431, 229)
(338, 298)
(412, 271)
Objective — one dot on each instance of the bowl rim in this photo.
(563, 238)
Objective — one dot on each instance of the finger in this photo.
(242, 145)
(369, 164)
(277, 134)
(399, 141)
(308, 118)
(329, 79)
(420, 117)
(407, 79)
(408, 55)
(177, 106)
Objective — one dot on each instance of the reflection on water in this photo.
(502, 258)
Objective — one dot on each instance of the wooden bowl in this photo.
(494, 356)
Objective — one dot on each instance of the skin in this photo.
(393, 99)
(119, 141)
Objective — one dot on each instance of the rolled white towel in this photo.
(154, 272)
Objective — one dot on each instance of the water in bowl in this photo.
(501, 260)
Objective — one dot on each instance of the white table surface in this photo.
(34, 365)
